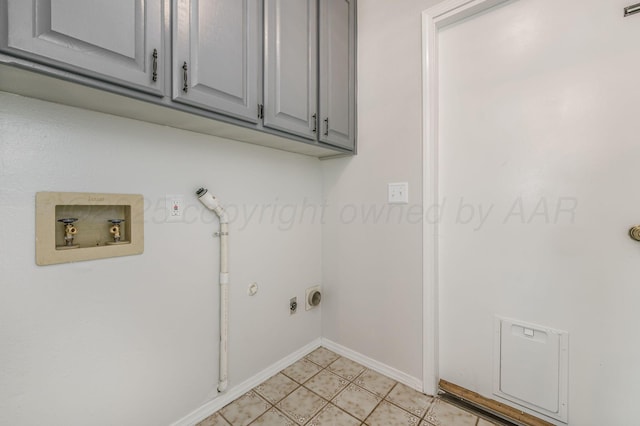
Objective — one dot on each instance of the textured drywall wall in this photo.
(134, 340)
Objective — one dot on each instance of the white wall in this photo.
(133, 340)
(372, 269)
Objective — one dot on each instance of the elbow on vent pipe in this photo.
(213, 204)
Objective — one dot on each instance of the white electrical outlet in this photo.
(175, 208)
(399, 193)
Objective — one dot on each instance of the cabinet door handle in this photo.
(185, 88)
(315, 123)
(326, 126)
(154, 76)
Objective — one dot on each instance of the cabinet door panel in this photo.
(337, 72)
(219, 41)
(110, 40)
(290, 66)
(65, 23)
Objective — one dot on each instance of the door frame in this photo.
(433, 19)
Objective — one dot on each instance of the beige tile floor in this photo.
(324, 388)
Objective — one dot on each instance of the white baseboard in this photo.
(237, 391)
(381, 368)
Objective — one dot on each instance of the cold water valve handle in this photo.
(115, 229)
(70, 231)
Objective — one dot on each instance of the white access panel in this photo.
(531, 366)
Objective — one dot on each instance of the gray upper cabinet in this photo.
(279, 73)
(290, 66)
(216, 52)
(308, 91)
(120, 41)
(337, 73)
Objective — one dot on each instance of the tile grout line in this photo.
(420, 418)
(379, 403)
(326, 402)
(349, 382)
(353, 382)
(261, 414)
(326, 368)
(274, 405)
(301, 385)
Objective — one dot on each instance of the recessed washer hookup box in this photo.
(77, 226)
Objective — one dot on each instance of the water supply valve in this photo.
(70, 231)
(115, 231)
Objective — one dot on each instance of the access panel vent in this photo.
(531, 367)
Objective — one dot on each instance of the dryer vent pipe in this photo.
(212, 203)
